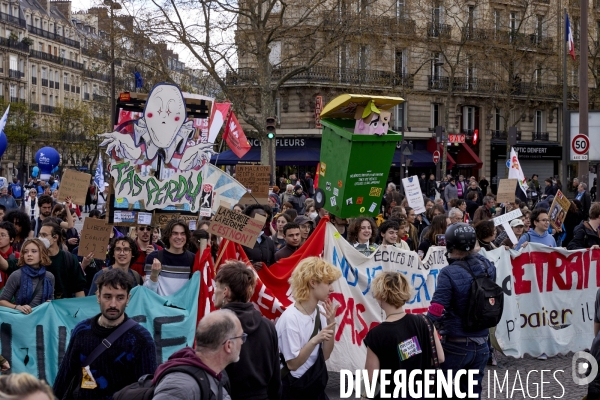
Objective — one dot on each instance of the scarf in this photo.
(25, 294)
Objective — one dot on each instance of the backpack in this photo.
(486, 302)
(143, 389)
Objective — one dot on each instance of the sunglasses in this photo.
(146, 228)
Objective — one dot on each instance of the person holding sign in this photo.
(175, 260)
(30, 285)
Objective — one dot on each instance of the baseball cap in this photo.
(302, 219)
(516, 222)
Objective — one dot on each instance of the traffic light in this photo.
(271, 121)
(475, 136)
(439, 133)
(512, 136)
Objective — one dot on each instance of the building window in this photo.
(399, 116)
(471, 18)
(40, 46)
(44, 73)
(13, 63)
(56, 77)
(468, 119)
(62, 53)
(8, 32)
(13, 91)
(497, 20)
(85, 88)
(401, 62)
(514, 21)
(539, 121)
(435, 115)
(436, 66)
(400, 5)
(497, 120)
(436, 13)
(539, 27)
(363, 61)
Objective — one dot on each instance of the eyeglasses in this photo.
(244, 336)
(125, 250)
(145, 228)
(3, 235)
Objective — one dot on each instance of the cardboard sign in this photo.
(255, 178)
(506, 191)
(505, 219)
(238, 228)
(558, 210)
(412, 189)
(162, 219)
(74, 184)
(95, 236)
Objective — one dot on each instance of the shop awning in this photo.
(285, 156)
(467, 158)
(421, 159)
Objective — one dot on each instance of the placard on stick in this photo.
(74, 184)
(506, 191)
(558, 210)
(95, 236)
(256, 179)
(238, 228)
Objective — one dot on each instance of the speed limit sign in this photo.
(580, 147)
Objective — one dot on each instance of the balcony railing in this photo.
(34, 107)
(66, 87)
(55, 59)
(439, 30)
(96, 75)
(11, 44)
(53, 36)
(13, 20)
(86, 96)
(323, 74)
(47, 109)
(14, 99)
(100, 56)
(15, 74)
(503, 135)
(98, 97)
(476, 34)
(393, 25)
(516, 88)
(540, 136)
(44, 82)
(519, 39)
(33, 80)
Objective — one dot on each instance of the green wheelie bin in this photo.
(354, 168)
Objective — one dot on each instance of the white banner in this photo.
(359, 311)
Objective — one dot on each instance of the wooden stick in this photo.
(221, 254)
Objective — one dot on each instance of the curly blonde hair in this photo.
(392, 288)
(44, 255)
(311, 269)
(18, 386)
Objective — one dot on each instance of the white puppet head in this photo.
(164, 114)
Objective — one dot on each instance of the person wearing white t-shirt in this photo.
(305, 354)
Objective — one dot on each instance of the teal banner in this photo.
(36, 343)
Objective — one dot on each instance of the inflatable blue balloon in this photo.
(35, 171)
(54, 170)
(3, 143)
(47, 158)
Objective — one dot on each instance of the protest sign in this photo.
(255, 178)
(238, 228)
(225, 189)
(95, 236)
(74, 184)
(506, 191)
(558, 210)
(162, 219)
(412, 189)
(505, 219)
(44, 334)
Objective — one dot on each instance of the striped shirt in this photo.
(176, 271)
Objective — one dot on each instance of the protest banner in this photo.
(255, 178)
(549, 296)
(412, 189)
(506, 191)
(43, 335)
(238, 228)
(95, 236)
(74, 184)
(558, 210)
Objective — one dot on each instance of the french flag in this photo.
(569, 39)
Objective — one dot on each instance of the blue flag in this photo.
(139, 82)
(4, 119)
(99, 177)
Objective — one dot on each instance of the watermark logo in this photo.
(582, 363)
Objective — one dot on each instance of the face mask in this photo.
(313, 215)
(46, 242)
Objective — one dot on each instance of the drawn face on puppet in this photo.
(164, 114)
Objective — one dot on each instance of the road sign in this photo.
(580, 146)
(318, 109)
(436, 157)
(457, 138)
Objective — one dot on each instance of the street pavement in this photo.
(551, 388)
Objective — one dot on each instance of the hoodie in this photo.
(533, 237)
(185, 356)
(256, 376)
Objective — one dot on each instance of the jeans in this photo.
(468, 355)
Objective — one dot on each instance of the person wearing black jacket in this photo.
(264, 248)
(585, 235)
(586, 200)
(432, 187)
(256, 376)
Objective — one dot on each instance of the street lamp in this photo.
(113, 5)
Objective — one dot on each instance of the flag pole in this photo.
(224, 130)
(565, 117)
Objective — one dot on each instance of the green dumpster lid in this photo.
(344, 106)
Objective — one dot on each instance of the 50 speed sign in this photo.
(580, 147)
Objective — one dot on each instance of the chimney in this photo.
(64, 6)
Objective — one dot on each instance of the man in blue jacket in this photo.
(462, 349)
(538, 233)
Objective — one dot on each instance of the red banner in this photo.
(204, 264)
(235, 138)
